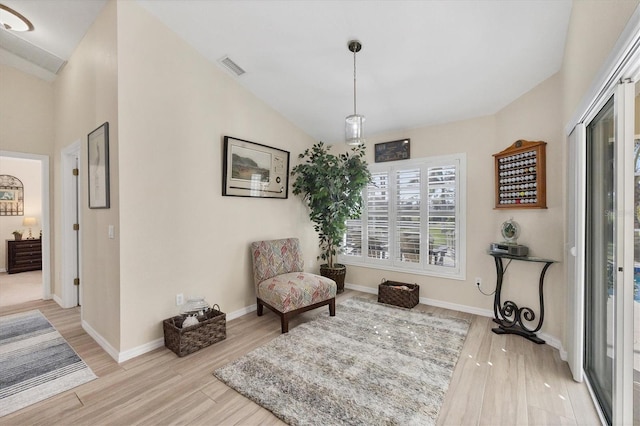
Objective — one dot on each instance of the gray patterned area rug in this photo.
(35, 362)
(371, 364)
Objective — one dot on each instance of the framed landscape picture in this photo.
(254, 170)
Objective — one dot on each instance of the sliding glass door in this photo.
(611, 332)
(600, 257)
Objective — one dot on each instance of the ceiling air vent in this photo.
(232, 66)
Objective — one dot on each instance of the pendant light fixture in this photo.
(353, 123)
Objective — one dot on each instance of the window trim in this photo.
(457, 273)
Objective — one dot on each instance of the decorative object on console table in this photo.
(98, 154)
(520, 176)
(398, 294)
(211, 328)
(24, 255)
(509, 317)
(251, 169)
(510, 231)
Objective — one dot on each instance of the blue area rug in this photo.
(35, 362)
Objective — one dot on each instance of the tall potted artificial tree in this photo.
(331, 185)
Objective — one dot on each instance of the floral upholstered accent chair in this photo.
(281, 283)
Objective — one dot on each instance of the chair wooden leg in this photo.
(260, 307)
(332, 307)
(285, 323)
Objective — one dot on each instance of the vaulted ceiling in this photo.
(422, 62)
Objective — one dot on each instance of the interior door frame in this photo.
(70, 259)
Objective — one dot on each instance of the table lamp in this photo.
(29, 221)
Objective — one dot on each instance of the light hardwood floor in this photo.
(499, 380)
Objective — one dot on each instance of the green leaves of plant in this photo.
(332, 188)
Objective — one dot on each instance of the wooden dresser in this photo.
(24, 255)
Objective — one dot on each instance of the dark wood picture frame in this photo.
(520, 176)
(98, 171)
(393, 151)
(251, 169)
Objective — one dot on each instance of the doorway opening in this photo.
(38, 208)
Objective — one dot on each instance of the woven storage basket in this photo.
(212, 328)
(337, 274)
(394, 293)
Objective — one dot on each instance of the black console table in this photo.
(509, 316)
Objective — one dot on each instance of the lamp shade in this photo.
(29, 221)
(353, 129)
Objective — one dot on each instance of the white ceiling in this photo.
(422, 62)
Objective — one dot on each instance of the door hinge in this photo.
(76, 226)
(76, 281)
(76, 172)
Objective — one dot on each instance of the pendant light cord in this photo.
(354, 82)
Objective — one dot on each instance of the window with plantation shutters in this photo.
(412, 219)
(377, 207)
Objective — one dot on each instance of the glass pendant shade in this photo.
(353, 129)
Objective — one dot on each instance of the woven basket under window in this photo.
(398, 294)
(212, 328)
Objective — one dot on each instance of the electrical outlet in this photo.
(179, 299)
(478, 281)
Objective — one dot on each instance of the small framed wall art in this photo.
(392, 151)
(520, 176)
(11, 196)
(254, 170)
(98, 155)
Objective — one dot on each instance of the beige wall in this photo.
(178, 233)
(26, 120)
(85, 97)
(30, 174)
(537, 116)
(26, 113)
(594, 28)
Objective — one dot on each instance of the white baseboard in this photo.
(552, 341)
(58, 301)
(155, 344)
(139, 350)
(101, 341)
(3, 269)
(241, 312)
(147, 347)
